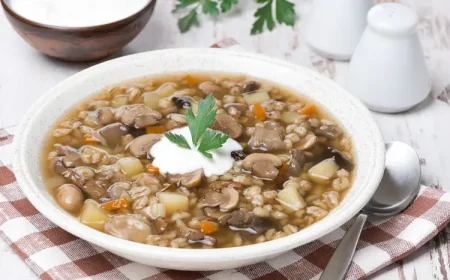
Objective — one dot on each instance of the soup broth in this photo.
(102, 161)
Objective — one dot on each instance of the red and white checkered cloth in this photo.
(55, 254)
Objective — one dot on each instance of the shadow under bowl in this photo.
(80, 44)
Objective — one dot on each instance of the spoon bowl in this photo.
(400, 183)
(398, 188)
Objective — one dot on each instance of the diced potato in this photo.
(166, 89)
(131, 166)
(151, 99)
(119, 100)
(173, 202)
(289, 117)
(157, 210)
(323, 171)
(93, 215)
(290, 199)
(256, 97)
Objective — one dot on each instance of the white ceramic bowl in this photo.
(353, 116)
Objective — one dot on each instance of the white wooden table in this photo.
(25, 74)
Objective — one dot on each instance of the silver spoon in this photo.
(397, 189)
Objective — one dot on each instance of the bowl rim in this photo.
(214, 255)
(91, 28)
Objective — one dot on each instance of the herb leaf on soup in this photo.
(211, 140)
(178, 139)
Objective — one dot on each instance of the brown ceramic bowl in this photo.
(79, 43)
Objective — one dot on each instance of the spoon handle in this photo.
(342, 257)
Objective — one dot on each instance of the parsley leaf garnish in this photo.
(206, 116)
(264, 15)
(284, 12)
(226, 5)
(198, 126)
(177, 139)
(211, 140)
(188, 20)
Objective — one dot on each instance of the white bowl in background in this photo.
(353, 116)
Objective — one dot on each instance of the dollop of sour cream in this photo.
(172, 159)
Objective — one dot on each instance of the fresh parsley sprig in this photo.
(264, 16)
(198, 126)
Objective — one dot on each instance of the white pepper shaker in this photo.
(334, 27)
(388, 72)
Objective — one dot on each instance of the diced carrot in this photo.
(259, 112)
(89, 139)
(192, 81)
(208, 227)
(152, 169)
(116, 204)
(157, 129)
(308, 110)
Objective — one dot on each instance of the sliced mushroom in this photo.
(307, 142)
(116, 189)
(296, 162)
(215, 214)
(240, 218)
(140, 146)
(192, 234)
(129, 227)
(228, 125)
(138, 115)
(342, 160)
(69, 197)
(231, 199)
(213, 199)
(238, 106)
(112, 134)
(188, 180)
(263, 166)
(266, 140)
(70, 156)
(226, 200)
(329, 131)
(209, 87)
(70, 174)
(260, 225)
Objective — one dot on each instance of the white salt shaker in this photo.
(388, 72)
(334, 28)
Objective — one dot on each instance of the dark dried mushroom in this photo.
(116, 189)
(296, 162)
(240, 218)
(238, 155)
(263, 166)
(140, 146)
(250, 86)
(340, 158)
(260, 225)
(182, 101)
(228, 125)
(188, 180)
(129, 227)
